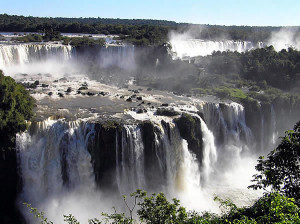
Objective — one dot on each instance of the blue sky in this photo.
(226, 12)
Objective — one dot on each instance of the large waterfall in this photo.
(59, 158)
(11, 54)
(197, 47)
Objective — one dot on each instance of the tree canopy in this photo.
(281, 169)
(16, 106)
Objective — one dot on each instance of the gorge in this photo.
(97, 134)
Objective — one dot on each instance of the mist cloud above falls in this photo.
(284, 38)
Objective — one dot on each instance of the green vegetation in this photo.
(281, 169)
(56, 36)
(167, 112)
(230, 93)
(83, 41)
(137, 31)
(156, 209)
(16, 106)
(29, 38)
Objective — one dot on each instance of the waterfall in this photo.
(197, 47)
(274, 138)
(209, 152)
(63, 161)
(122, 56)
(11, 54)
(130, 167)
(53, 157)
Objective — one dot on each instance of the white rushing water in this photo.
(58, 175)
(122, 56)
(21, 54)
(182, 48)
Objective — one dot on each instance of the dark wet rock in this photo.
(103, 148)
(83, 88)
(50, 93)
(136, 91)
(133, 96)
(140, 111)
(149, 135)
(149, 103)
(142, 102)
(84, 84)
(45, 85)
(69, 90)
(103, 93)
(91, 94)
(190, 129)
(37, 82)
(121, 97)
(165, 105)
(129, 99)
(55, 80)
(139, 98)
(201, 115)
(60, 95)
(32, 86)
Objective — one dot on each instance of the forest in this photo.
(138, 31)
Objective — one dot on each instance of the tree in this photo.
(16, 106)
(281, 169)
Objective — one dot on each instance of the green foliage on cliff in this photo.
(281, 169)
(29, 38)
(83, 41)
(16, 106)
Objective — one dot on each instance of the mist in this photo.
(284, 38)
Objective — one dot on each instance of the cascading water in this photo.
(122, 56)
(11, 54)
(227, 121)
(54, 157)
(57, 162)
(130, 167)
(197, 47)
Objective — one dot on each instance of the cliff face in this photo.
(9, 187)
(190, 129)
(103, 148)
(120, 156)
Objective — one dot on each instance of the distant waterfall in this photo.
(197, 47)
(20, 54)
(122, 56)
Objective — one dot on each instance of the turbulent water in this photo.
(28, 53)
(60, 159)
(197, 47)
(82, 166)
(35, 57)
